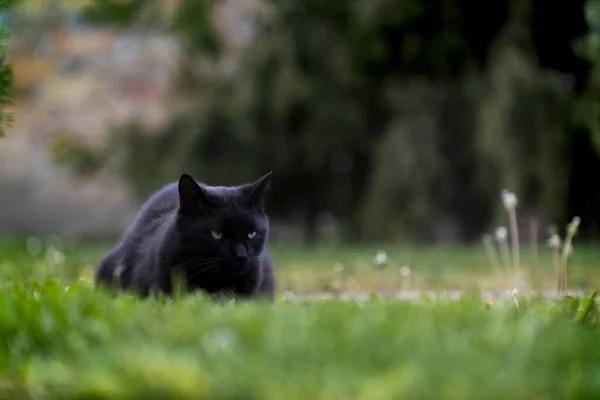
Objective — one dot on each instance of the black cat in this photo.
(214, 236)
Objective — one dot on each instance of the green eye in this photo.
(251, 235)
(217, 235)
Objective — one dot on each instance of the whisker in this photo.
(197, 261)
(198, 272)
(211, 267)
(195, 265)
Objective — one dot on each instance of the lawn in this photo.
(63, 339)
(329, 268)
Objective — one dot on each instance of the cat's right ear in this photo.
(191, 195)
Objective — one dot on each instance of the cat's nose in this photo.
(240, 252)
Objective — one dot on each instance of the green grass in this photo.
(329, 268)
(61, 338)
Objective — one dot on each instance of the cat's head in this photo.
(227, 225)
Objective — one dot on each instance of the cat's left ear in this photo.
(256, 191)
(191, 195)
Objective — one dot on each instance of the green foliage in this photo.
(114, 11)
(587, 311)
(193, 22)
(81, 158)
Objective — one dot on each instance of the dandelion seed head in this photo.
(554, 241)
(501, 233)
(380, 258)
(509, 199)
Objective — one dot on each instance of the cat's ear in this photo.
(191, 195)
(257, 191)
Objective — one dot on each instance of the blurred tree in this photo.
(6, 75)
(585, 192)
(400, 117)
(315, 123)
(36, 19)
(590, 49)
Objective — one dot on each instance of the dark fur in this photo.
(172, 233)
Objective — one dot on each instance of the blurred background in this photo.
(383, 120)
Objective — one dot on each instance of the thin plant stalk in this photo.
(533, 241)
(564, 276)
(492, 255)
(557, 274)
(505, 253)
(383, 287)
(510, 202)
(405, 273)
(514, 236)
(555, 242)
(515, 296)
(405, 283)
(568, 250)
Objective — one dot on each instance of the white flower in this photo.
(514, 292)
(405, 270)
(501, 233)
(509, 199)
(380, 257)
(554, 241)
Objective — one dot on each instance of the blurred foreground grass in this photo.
(62, 339)
(78, 343)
